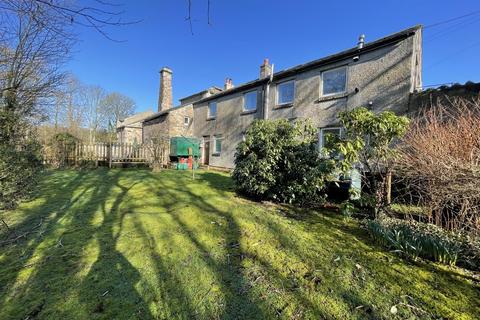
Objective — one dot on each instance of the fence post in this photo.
(109, 154)
(96, 155)
(75, 154)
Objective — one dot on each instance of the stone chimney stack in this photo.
(265, 69)
(228, 84)
(165, 99)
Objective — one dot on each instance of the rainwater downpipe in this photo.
(267, 95)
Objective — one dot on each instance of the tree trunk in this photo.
(388, 188)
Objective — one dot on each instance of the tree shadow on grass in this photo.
(108, 290)
(228, 272)
(360, 249)
(357, 249)
(63, 243)
(53, 209)
(175, 302)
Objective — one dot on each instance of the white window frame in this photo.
(215, 138)
(334, 93)
(187, 122)
(245, 100)
(209, 115)
(277, 91)
(320, 135)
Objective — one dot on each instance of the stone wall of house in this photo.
(382, 79)
(157, 127)
(130, 134)
(133, 135)
(170, 124)
(176, 121)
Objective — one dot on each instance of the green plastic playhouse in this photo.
(185, 152)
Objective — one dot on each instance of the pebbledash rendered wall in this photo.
(381, 79)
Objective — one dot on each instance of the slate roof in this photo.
(138, 117)
(369, 46)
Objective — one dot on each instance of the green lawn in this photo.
(123, 244)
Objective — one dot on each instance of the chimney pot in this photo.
(165, 99)
(228, 84)
(361, 41)
(265, 69)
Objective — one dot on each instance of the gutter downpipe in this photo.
(267, 95)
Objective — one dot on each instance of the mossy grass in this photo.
(130, 243)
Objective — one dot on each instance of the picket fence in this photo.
(105, 153)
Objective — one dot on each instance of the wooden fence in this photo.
(105, 153)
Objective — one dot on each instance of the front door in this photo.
(206, 150)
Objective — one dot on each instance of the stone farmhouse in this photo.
(380, 75)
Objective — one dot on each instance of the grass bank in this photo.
(129, 244)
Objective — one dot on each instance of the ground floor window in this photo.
(326, 138)
(217, 146)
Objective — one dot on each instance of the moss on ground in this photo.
(129, 244)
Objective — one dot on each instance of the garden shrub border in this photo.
(422, 240)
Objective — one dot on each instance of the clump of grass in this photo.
(406, 209)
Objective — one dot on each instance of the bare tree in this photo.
(36, 37)
(116, 106)
(70, 110)
(99, 16)
(158, 146)
(31, 57)
(92, 98)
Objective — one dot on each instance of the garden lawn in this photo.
(126, 244)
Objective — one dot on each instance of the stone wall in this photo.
(155, 128)
(171, 124)
(176, 121)
(130, 134)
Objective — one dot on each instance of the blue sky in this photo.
(243, 33)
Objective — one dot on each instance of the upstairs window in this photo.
(217, 146)
(334, 81)
(250, 101)
(186, 121)
(212, 110)
(285, 92)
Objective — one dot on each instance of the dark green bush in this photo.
(20, 157)
(279, 161)
(416, 239)
(61, 148)
(19, 166)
